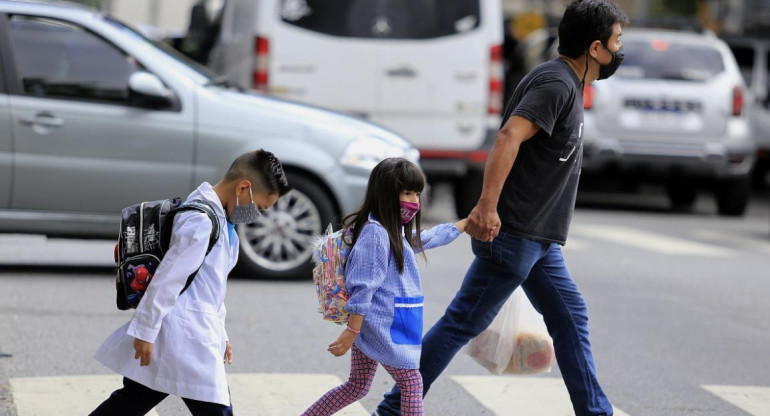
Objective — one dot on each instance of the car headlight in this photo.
(367, 151)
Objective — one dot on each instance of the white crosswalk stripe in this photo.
(66, 396)
(517, 395)
(282, 394)
(645, 240)
(575, 244)
(252, 394)
(751, 399)
(742, 242)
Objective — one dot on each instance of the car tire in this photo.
(467, 191)
(732, 196)
(278, 245)
(682, 195)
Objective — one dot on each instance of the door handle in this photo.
(403, 72)
(44, 120)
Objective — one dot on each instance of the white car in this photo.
(674, 113)
(430, 71)
(95, 117)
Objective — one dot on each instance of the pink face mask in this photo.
(408, 210)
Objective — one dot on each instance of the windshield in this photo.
(669, 60)
(199, 69)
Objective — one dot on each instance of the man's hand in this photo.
(143, 352)
(342, 344)
(228, 353)
(483, 222)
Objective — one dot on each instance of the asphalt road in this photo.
(678, 304)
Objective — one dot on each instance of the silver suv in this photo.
(95, 117)
(674, 113)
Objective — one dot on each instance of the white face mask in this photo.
(246, 213)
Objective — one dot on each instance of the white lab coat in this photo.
(188, 330)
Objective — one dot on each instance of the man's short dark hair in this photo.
(585, 21)
(263, 169)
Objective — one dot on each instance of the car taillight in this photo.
(261, 64)
(495, 105)
(737, 101)
(588, 96)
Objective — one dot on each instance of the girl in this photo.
(385, 305)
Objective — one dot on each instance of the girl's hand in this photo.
(342, 344)
(461, 225)
(228, 353)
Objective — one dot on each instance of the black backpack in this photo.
(145, 234)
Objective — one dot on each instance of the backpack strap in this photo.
(204, 207)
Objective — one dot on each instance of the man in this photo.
(176, 343)
(522, 217)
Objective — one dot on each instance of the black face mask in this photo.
(606, 71)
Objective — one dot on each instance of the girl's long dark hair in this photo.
(387, 180)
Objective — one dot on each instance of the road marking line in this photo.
(517, 395)
(257, 394)
(751, 399)
(575, 244)
(658, 243)
(282, 394)
(63, 395)
(743, 242)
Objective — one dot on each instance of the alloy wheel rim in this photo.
(281, 238)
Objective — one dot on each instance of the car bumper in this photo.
(709, 159)
(449, 163)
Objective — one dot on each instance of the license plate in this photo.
(660, 120)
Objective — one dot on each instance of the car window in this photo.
(62, 60)
(744, 55)
(389, 19)
(670, 60)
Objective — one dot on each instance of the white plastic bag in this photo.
(516, 342)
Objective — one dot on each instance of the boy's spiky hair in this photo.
(263, 169)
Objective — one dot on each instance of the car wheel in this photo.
(732, 196)
(279, 244)
(682, 195)
(467, 191)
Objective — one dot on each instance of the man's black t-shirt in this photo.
(538, 197)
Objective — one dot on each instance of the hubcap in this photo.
(281, 238)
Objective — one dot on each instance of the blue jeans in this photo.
(498, 269)
(135, 399)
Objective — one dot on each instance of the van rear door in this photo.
(419, 68)
(433, 74)
(310, 56)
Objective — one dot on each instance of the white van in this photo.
(431, 70)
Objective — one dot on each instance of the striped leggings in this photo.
(362, 369)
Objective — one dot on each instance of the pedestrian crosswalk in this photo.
(527, 395)
(252, 394)
(75, 395)
(752, 400)
(583, 236)
(270, 394)
(692, 243)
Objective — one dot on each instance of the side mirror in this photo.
(147, 90)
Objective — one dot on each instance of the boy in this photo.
(178, 339)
